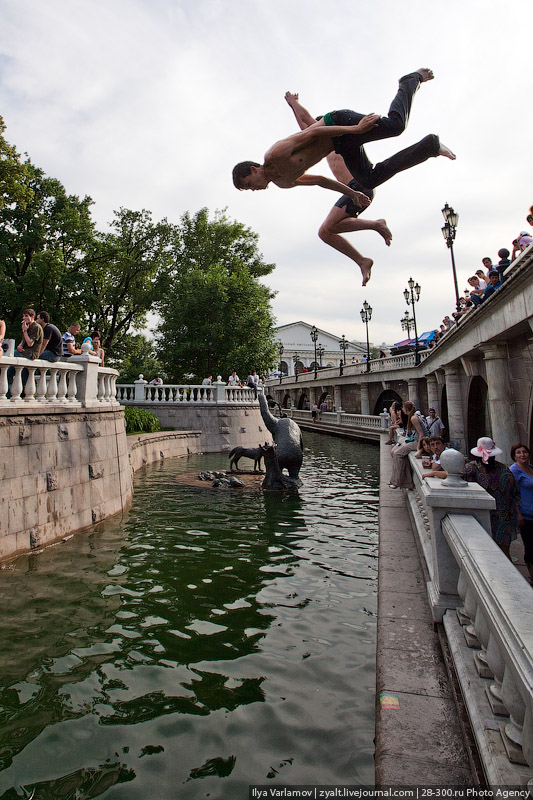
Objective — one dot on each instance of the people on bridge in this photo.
(522, 470)
(435, 424)
(29, 346)
(344, 132)
(69, 341)
(499, 482)
(395, 412)
(52, 345)
(437, 446)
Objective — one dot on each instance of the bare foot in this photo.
(426, 74)
(366, 269)
(445, 151)
(381, 227)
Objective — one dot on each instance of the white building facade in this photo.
(299, 348)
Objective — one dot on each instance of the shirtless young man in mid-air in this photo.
(344, 132)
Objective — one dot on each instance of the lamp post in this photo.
(343, 344)
(280, 351)
(314, 337)
(451, 218)
(295, 358)
(406, 322)
(320, 350)
(411, 299)
(366, 316)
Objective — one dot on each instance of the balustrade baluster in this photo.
(29, 389)
(52, 385)
(72, 386)
(3, 384)
(16, 386)
(497, 667)
(42, 385)
(512, 731)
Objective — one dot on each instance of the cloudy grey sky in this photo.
(150, 103)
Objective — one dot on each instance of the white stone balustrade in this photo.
(498, 621)
(145, 393)
(339, 418)
(78, 381)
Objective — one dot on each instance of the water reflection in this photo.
(212, 640)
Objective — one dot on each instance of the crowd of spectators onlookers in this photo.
(485, 282)
(42, 340)
(512, 488)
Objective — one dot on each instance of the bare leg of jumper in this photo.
(338, 221)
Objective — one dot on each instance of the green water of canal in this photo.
(208, 640)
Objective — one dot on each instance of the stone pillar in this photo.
(456, 416)
(140, 383)
(337, 397)
(412, 390)
(365, 402)
(87, 380)
(502, 413)
(433, 393)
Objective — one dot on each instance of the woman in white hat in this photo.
(499, 482)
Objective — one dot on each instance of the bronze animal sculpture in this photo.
(245, 452)
(287, 437)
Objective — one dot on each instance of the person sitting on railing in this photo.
(52, 346)
(522, 241)
(495, 283)
(401, 476)
(2, 336)
(157, 381)
(395, 412)
(29, 346)
(476, 288)
(483, 276)
(499, 482)
(69, 342)
(97, 350)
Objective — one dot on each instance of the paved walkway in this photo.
(419, 741)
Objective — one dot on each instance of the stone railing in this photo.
(78, 381)
(377, 423)
(486, 608)
(142, 392)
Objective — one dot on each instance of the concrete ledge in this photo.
(147, 448)
(419, 741)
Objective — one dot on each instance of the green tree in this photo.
(43, 246)
(123, 275)
(14, 186)
(216, 315)
(136, 355)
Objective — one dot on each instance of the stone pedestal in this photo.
(504, 429)
(455, 408)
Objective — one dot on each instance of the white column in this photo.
(433, 394)
(455, 409)
(504, 429)
(365, 402)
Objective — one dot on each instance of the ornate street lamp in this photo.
(314, 337)
(366, 316)
(320, 350)
(451, 218)
(280, 351)
(343, 344)
(412, 296)
(296, 358)
(406, 322)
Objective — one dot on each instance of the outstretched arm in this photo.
(359, 198)
(303, 117)
(298, 141)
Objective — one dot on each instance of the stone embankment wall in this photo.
(220, 427)
(147, 448)
(60, 471)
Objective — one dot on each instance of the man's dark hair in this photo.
(45, 316)
(436, 439)
(494, 272)
(241, 171)
(29, 311)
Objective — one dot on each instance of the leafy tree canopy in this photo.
(216, 315)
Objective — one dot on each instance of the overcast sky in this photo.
(150, 103)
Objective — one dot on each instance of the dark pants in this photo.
(48, 355)
(352, 150)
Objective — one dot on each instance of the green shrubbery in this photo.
(139, 421)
